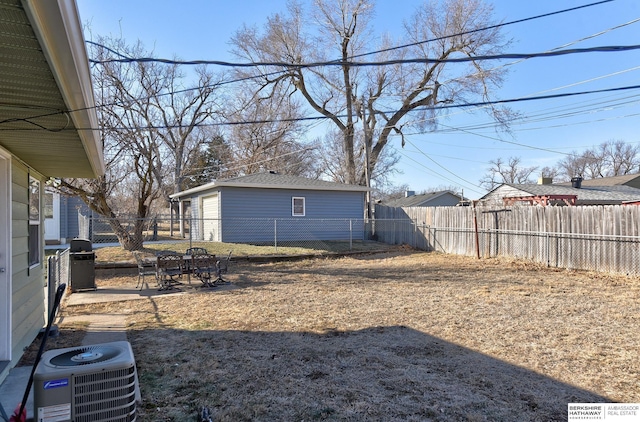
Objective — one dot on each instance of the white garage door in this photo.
(210, 222)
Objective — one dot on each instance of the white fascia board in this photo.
(294, 187)
(197, 189)
(262, 186)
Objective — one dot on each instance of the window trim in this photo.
(293, 206)
(47, 205)
(35, 221)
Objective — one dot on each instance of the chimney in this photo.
(545, 180)
(576, 182)
(409, 193)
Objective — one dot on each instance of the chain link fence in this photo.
(595, 252)
(277, 233)
(57, 274)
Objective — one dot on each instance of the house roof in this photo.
(47, 110)
(586, 195)
(270, 180)
(608, 181)
(418, 200)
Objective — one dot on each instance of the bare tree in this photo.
(611, 158)
(550, 172)
(150, 129)
(621, 157)
(332, 159)
(574, 164)
(265, 134)
(377, 100)
(507, 172)
(392, 192)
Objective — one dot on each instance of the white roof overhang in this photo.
(47, 110)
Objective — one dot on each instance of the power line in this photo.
(221, 83)
(392, 62)
(218, 84)
(470, 184)
(544, 15)
(512, 142)
(555, 113)
(315, 118)
(241, 165)
(338, 61)
(519, 121)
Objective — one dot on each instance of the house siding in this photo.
(73, 205)
(27, 301)
(65, 227)
(276, 203)
(69, 208)
(495, 197)
(265, 205)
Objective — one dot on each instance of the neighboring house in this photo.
(46, 97)
(443, 198)
(243, 209)
(614, 191)
(61, 222)
(631, 180)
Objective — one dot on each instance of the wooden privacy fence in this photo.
(597, 238)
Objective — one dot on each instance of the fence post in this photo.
(275, 234)
(548, 249)
(475, 229)
(434, 238)
(51, 280)
(350, 234)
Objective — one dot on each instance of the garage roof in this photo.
(272, 180)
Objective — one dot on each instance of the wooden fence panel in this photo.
(599, 238)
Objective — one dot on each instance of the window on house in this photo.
(297, 206)
(34, 221)
(47, 207)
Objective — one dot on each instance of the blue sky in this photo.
(457, 155)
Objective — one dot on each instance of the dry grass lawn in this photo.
(401, 336)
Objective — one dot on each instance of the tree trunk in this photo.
(130, 240)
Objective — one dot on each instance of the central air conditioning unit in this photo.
(86, 384)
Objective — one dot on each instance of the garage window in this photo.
(297, 206)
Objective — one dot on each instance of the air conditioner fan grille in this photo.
(86, 356)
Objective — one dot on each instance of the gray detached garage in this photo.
(257, 207)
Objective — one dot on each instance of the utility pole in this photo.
(367, 168)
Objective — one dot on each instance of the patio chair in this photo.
(203, 266)
(143, 270)
(161, 253)
(169, 269)
(222, 267)
(196, 251)
(191, 252)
